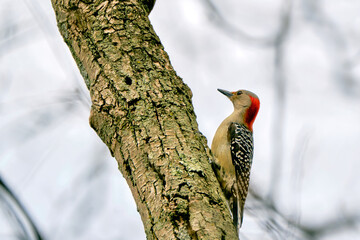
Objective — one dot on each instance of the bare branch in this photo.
(282, 226)
(336, 43)
(28, 228)
(217, 18)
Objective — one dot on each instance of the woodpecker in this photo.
(232, 148)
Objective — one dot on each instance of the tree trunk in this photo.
(143, 112)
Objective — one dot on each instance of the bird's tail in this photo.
(236, 211)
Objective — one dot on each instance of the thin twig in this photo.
(19, 212)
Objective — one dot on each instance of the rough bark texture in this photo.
(143, 112)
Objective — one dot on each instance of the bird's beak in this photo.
(226, 93)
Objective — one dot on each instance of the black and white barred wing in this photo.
(241, 143)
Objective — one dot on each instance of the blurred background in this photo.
(301, 57)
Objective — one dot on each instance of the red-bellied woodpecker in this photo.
(232, 147)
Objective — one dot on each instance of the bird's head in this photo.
(246, 103)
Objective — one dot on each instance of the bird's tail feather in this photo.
(234, 206)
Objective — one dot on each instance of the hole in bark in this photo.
(132, 102)
(181, 185)
(128, 81)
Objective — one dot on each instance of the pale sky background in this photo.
(307, 141)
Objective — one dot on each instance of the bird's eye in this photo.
(239, 93)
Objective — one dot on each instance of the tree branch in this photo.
(23, 220)
(143, 112)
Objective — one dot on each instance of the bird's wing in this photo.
(241, 144)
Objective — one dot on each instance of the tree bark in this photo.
(143, 112)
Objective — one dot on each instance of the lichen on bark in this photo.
(143, 112)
